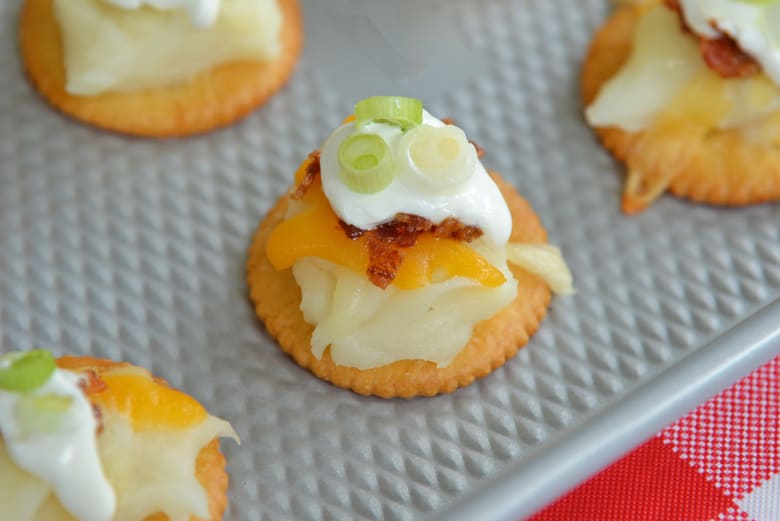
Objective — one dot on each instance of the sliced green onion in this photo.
(42, 413)
(393, 110)
(24, 372)
(438, 157)
(366, 166)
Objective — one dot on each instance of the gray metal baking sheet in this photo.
(135, 249)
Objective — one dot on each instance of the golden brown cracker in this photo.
(720, 167)
(277, 299)
(212, 99)
(210, 464)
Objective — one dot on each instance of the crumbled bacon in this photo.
(674, 5)
(386, 242)
(98, 414)
(480, 150)
(452, 228)
(403, 230)
(723, 55)
(91, 383)
(383, 262)
(311, 174)
(352, 232)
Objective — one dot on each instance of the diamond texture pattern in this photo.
(134, 249)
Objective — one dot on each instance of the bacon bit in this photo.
(452, 228)
(480, 150)
(311, 174)
(98, 414)
(383, 262)
(724, 56)
(385, 243)
(448, 121)
(403, 230)
(352, 232)
(91, 383)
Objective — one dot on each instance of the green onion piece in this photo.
(393, 110)
(24, 372)
(42, 413)
(366, 166)
(438, 157)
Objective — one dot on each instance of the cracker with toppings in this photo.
(687, 150)
(210, 463)
(213, 98)
(277, 300)
(134, 447)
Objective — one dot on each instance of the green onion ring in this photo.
(393, 110)
(24, 372)
(366, 166)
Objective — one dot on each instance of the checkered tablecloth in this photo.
(721, 462)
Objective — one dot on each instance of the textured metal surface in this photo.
(134, 249)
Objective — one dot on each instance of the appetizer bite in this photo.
(686, 93)
(396, 265)
(85, 439)
(159, 67)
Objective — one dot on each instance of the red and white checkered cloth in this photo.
(719, 463)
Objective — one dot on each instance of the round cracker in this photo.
(721, 166)
(277, 299)
(212, 99)
(209, 465)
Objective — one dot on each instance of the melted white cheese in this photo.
(478, 202)
(107, 49)
(203, 13)
(66, 459)
(155, 471)
(665, 61)
(369, 327)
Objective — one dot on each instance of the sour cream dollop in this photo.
(749, 24)
(203, 13)
(477, 202)
(66, 459)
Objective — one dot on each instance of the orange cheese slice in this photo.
(148, 404)
(316, 232)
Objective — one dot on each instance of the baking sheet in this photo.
(134, 249)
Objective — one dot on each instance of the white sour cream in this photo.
(203, 13)
(477, 202)
(750, 25)
(67, 459)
